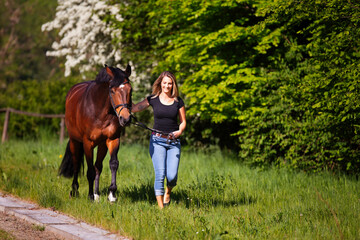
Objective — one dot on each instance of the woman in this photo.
(165, 148)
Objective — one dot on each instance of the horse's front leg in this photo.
(101, 153)
(88, 150)
(113, 146)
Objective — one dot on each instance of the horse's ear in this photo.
(108, 70)
(128, 70)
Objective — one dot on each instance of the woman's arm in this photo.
(182, 126)
(140, 106)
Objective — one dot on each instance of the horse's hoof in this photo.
(96, 198)
(74, 194)
(91, 197)
(111, 198)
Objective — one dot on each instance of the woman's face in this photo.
(166, 85)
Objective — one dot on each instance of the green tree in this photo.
(29, 80)
(311, 119)
(281, 75)
(23, 45)
(209, 45)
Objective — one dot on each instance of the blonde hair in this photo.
(156, 88)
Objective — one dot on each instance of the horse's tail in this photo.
(66, 168)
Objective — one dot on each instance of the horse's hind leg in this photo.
(101, 153)
(113, 146)
(77, 152)
(90, 174)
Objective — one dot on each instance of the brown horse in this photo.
(95, 113)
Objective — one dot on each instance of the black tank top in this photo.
(165, 116)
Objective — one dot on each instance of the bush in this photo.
(43, 97)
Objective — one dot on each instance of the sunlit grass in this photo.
(216, 196)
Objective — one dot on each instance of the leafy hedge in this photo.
(44, 97)
(312, 100)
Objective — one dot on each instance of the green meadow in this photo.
(217, 197)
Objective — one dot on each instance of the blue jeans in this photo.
(165, 158)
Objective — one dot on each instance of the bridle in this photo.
(123, 105)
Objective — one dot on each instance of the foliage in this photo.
(85, 38)
(312, 99)
(44, 97)
(22, 44)
(175, 36)
(29, 80)
(139, 37)
(214, 53)
(280, 75)
(216, 197)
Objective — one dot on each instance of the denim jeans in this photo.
(165, 157)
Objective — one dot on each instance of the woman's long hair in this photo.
(156, 88)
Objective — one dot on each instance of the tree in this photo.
(211, 45)
(312, 98)
(22, 43)
(86, 38)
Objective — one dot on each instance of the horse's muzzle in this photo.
(124, 121)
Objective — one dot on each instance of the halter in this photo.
(123, 105)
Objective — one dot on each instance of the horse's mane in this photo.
(104, 77)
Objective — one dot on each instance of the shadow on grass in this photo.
(205, 200)
(145, 192)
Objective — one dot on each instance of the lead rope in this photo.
(170, 136)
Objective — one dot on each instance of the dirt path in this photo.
(12, 228)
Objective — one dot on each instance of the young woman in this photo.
(168, 107)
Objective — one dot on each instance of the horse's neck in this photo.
(98, 95)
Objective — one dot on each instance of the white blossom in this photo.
(85, 39)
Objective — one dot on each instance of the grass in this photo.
(6, 236)
(38, 227)
(217, 197)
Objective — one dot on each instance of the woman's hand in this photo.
(177, 134)
(182, 126)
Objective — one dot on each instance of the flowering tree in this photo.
(86, 39)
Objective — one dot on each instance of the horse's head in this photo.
(120, 93)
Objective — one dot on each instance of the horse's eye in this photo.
(112, 91)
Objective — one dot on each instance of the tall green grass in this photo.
(217, 197)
